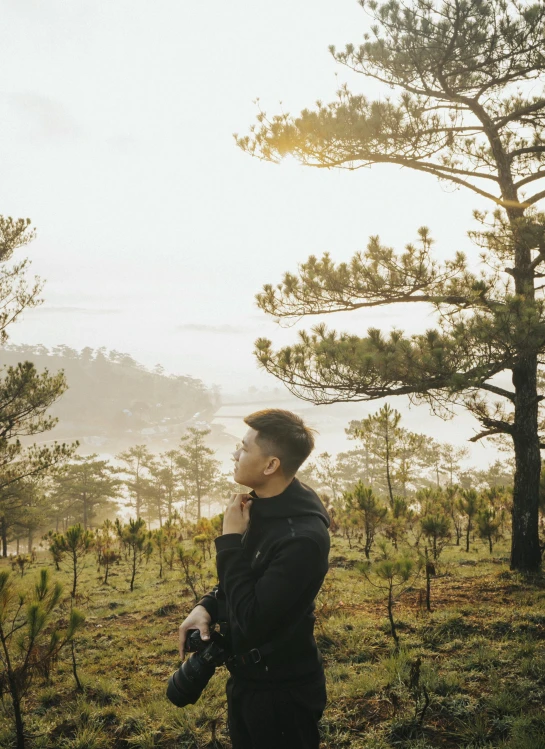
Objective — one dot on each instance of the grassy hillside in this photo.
(482, 652)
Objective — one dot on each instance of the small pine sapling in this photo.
(367, 513)
(31, 638)
(134, 537)
(190, 562)
(76, 543)
(22, 561)
(436, 528)
(392, 576)
(488, 527)
(159, 540)
(55, 549)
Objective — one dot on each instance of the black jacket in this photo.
(268, 580)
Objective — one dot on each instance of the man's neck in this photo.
(272, 489)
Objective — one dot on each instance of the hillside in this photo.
(470, 673)
(113, 402)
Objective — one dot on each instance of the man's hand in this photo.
(237, 514)
(199, 619)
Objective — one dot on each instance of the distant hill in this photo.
(113, 402)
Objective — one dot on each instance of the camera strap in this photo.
(256, 655)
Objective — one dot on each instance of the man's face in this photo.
(252, 466)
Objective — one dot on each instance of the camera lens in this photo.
(186, 684)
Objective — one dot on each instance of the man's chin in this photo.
(239, 479)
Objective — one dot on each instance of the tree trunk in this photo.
(525, 550)
(468, 532)
(4, 531)
(428, 581)
(19, 727)
(133, 568)
(388, 479)
(391, 617)
(75, 573)
(75, 668)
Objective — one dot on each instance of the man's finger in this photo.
(181, 635)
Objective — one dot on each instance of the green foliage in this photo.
(31, 638)
(85, 487)
(136, 459)
(22, 561)
(190, 562)
(436, 527)
(134, 536)
(75, 543)
(488, 526)
(365, 511)
(104, 545)
(391, 575)
(462, 112)
(471, 657)
(469, 504)
(26, 395)
(200, 470)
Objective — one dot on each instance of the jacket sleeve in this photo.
(287, 587)
(212, 602)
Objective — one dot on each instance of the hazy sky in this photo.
(154, 230)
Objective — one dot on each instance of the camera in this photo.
(187, 683)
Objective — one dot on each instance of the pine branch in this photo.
(512, 116)
(502, 427)
(528, 149)
(498, 391)
(535, 198)
(529, 179)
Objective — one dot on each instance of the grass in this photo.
(482, 654)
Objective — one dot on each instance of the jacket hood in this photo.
(296, 500)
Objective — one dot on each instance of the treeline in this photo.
(398, 462)
(111, 396)
(408, 488)
(89, 490)
(125, 547)
(434, 518)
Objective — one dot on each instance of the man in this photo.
(271, 562)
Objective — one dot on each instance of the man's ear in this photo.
(272, 466)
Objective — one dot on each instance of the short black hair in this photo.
(284, 435)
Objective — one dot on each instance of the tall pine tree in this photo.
(467, 111)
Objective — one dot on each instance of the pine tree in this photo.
(25, 394)
(136, 460)
(198, 468)
(90, 485)
(31, 637)
(463, 111)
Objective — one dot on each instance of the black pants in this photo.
(272, 718)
